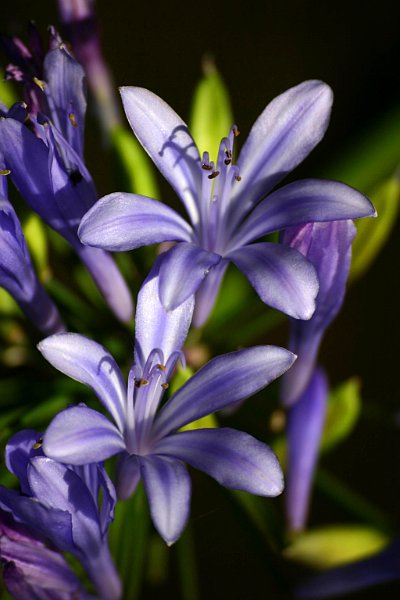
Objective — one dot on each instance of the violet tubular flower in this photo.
(48, 169)
(147, 437)
(17, 275)
(229, 205)
(61, 504)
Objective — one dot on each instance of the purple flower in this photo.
(48, 169)
(305, 426)
(328, 247)
(61, 503)
(225, 202)
(32, 570)
(146, 437)
(17, 275)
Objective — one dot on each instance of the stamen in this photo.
(161, 367)
(5, 171)
(72, 118)
(39, 83)
(140, 382)
(238, 178)
(165, 386)
(38, 444)
(213, 175)
(206, 167)
(235, 130)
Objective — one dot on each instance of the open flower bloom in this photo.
(47, 166)
(17, 275)
(31, 568)
(328, 247)
(147, 437)
(61, 504)
(226, 203)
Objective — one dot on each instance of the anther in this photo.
(5, 171)
(238, 178)
(38, 444)
(140, 382)
(39, 83)
(165, 386)
(228, 161)
(206, 167)
(213, 175)
(235, 130)
(161, 367)
(73, 120)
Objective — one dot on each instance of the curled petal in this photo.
(167, 140)
(122, 221)
(88, 362)
(19, 450)
(167, 485)
(223, 381)
(182, 271)
(235, 459)
(80, 435)
(281, 276)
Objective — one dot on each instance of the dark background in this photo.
(261, 49)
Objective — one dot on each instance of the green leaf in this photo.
(211, 117)
(181, 377)
(36, 238)
(7, 91)
(343, 410)
(335, 545)
(373, 233)
(134, 168)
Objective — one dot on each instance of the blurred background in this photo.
(261, 49)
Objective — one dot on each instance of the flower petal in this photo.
(182, 270)
(156, 327)
(80, 435)
(168, 488)
(235, 459)
(281, 138)
(207, 293)
(221, 382)
(281, 276)
(305, 201)
(167, 140)
(128, 475)
(122, 221)
(88, 362)
(19, 450)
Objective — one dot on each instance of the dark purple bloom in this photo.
(304, 429)
(380, 568)
(32, 569)
(225, 202)
(62, 504)
(48, 169)
(17, 275)
(147, 437)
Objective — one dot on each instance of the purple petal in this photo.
(122, 221)
(182, 270)
(281, 138)
(80, 435)
(235, 459)
(305, 342)
(86, 361)
(65, 80)
(156, 327)
(128, 476)
(166, 138)
(19, 450)
(207, 293)
(305, 201)
(221, 382)
(281, 276)
(167, 485)
(305, 425)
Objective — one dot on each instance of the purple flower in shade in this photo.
(148, 440)
(328, 247)
(48, 169)
(377, 569)
(225, 202)
(62, 504)
(17, 275)
(33, 570)
(304, 429)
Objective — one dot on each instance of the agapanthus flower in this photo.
(32, 569)
(229, 205)
(17, 274)
(46, 164)
(62, 504)
(147, 437)
(328, 247)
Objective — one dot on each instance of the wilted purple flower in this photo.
(17, 275)
(374, 570)
(225, 202)
(61, 503)
(147, 439)
(47, 166)
(304, 429)
(32, 570)
(328, 247)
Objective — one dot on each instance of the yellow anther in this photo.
(37, 445)
(72, 118)
(140, 382)
(39, 83)
(161, 367)
(165, 386)
(236, 131)
(5, 171)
